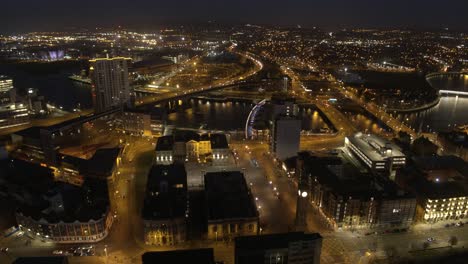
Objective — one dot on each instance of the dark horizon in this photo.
(30, 15)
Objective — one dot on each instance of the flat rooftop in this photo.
(375, 147)
(166, 192)
(273, 241)
(100, 165)
(228, 196)
(202, 256)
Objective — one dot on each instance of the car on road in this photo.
(4, 249)
(57, 252)
(430, 239)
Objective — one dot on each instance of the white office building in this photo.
(378, 154)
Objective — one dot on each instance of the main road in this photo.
(218, 84)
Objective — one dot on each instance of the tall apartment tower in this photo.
(110, 84)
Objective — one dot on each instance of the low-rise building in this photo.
(440, 184)
(165, 208)
(185, 146)
(231, 210)
(68, 213)
(292, 248)
(353, 199)
(376, 153)
(102, 165)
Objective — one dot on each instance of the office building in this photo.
(13, 115)
(165, 209)
(110, 83)
(352, 199)
(7, 90)
(440, 185)
(378, 154)
(291, 248)
(231, 210)
(285, 137)
(201, 256)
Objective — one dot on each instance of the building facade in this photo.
(110, 83)
(293, 248)
(91, 231)
(285, 137)
(165, 209)
(231, 211)
(376, 153)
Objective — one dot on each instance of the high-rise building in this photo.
(7, 91)
(110, 84)
(292, 248)
(285, 137)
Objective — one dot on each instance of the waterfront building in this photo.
(292, 248)
(231, 210)
(110, 83)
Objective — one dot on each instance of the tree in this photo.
(424, 147)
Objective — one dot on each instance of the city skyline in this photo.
(330, 15)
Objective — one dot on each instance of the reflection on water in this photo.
(232, 116)
(364, 123)
(451, 111)
(457, 83)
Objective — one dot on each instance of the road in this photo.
(213, 86)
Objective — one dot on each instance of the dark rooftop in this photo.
(218, 141)
(199, 256)
(228, 196)
(82, 203)
(165, 143)
(273, 241)
(41, 260)
(100, 165)
(166, 192)
(185, 136)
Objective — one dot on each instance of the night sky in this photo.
(25, 15)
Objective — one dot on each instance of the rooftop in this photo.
(165, 143)
(101, 164)
(218, 141)
(166, 192)
(68, 203)
(41, 260)
(202, 256)
(273, 241)
(228, 196)
(374, 147)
